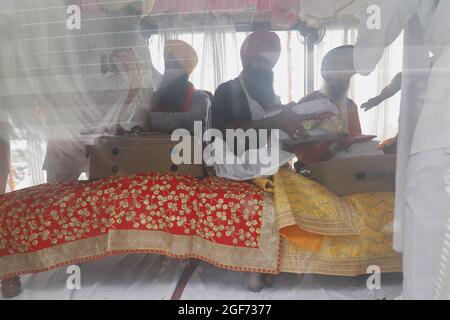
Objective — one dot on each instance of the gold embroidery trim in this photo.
(265, 259)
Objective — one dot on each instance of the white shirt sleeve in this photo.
(392, 17)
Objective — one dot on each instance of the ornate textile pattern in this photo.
(216, 220)
(352, 255)
(312, 207)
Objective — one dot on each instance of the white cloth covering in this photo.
(426, 213)
(123, 277)
(244, 169)
(208, 283)
(360, 150)
(152, 277)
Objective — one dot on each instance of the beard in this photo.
(170, 97)
(337, 90)
(259, 85)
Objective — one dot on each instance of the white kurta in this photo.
(433, 127)
(113, 95)
(421, 202)
(443, 286)
(401, 15)
(53, 78)
(427, 203)
(426, 214)
(110, 33)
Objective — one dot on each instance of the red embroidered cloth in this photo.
(216, 210)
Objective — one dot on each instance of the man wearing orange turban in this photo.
(176, 104)
(178, 53)
(175, 92)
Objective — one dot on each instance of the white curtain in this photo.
(36, 149)
(53, 80)
(219, 61)
(218, 48)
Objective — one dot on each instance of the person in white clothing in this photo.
(118, 75)
(423, 157)
(6, 41)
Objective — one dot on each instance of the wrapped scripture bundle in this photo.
(323, 123)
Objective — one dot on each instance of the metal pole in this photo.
(309, 65)
(310, 36)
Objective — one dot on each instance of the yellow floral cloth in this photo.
(312, 207)
(317, 222)
(306, 211)
(352, 255)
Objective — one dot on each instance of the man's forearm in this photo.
(391, 90)
(375, 101)
(388, 92)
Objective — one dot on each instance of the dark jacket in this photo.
(229, 104)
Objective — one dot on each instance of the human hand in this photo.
(292, 124)
(369, 105)
(116, 130)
